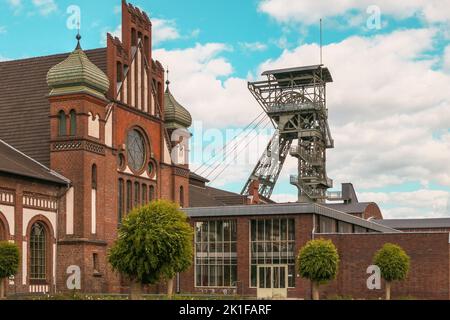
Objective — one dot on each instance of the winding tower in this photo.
(295, 101)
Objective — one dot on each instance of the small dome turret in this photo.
(175, 115)
(77, 74)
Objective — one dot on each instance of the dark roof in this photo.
(210, 197)
(415, 223)
(300, 71)
(193, 175)
(284, 209)
(15, 162)
(24, 106)
(351, 208)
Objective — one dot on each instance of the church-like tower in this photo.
(78, 108)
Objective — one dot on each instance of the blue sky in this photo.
(389, 104)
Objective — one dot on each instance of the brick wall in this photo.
(429, 273)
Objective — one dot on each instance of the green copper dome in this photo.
(175, 115)
(77, 74)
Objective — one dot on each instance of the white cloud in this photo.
(417, 204)
(195, 81)
(45, 7)
(253, 46)
(164, 30)
(447, 59)
(310, 11)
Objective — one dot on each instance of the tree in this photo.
(393, 263)
(318, 261)
(9, 264)
(155, 243)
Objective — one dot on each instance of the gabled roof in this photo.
(208, 196)
(15, 162)
(352, 208)
(24, 105)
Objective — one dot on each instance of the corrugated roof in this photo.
(415, 223)
(15, 162)
(284, 209)
(210, 197)
(24, 106)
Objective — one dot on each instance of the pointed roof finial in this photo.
(78, 37)
(168, 81)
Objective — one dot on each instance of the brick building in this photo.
(88, 135)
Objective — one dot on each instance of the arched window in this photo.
(2, 231)
(73, 123)
(182, 196)
(62, 127)
(151, 195)
(38, 252)
(120, 199)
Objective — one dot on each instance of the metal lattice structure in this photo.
(295, 101)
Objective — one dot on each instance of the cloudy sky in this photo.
(389, 103)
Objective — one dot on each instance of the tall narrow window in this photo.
(144, 195)
(94, 199)
(95, 264)
(38, 253)
(94, 177)
(119, 72)
(129, 196)
(62, 130)
(120, 205)
(73, 123)
(133, 37)
(151, 195)
(137, 194)
(182, 196)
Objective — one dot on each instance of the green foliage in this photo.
(318, 261)
(393, 262)
(155, 242)
(9, 259)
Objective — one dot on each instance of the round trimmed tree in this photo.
(154, 244)
(318, 261)
(9, 264)
(393, 263)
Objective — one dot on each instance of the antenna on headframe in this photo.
(321, 43)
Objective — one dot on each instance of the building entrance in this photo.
(272, 281)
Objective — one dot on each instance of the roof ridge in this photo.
(46, 56)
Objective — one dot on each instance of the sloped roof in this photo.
(208, 196)
(15, 162)
(24, 105)
(415, 223)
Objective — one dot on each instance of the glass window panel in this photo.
(260, 234)
(291, 229)
(268, 230)
(226, 231)
(253, 230)
(276, 229)
(283, 235)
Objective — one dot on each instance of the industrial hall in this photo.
(88, 135)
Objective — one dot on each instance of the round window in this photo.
(135, 150)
